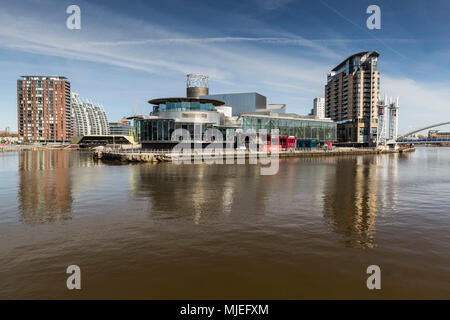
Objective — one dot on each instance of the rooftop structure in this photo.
(197, 85)
(191, 101)
(241, 102)
(41, 78)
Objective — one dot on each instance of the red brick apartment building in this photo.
(44, 109)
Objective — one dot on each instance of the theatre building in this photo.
(199, 112)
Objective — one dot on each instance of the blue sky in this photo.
(128, 52)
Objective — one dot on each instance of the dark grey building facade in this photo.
(241, 102)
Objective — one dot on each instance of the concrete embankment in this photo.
(155, 157)
(128, 157)
(16, 148)
(37, 147)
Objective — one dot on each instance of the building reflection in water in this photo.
(197, 191)
(44, 191)
(350, 200)
(350, 192)
(388, 178)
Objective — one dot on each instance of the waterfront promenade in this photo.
(155, 156)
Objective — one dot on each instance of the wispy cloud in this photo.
(233, 63)
(215, 56)
(267, 40)
(272, 4)
(283, 65)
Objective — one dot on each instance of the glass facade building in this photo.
(183, 106)
(300, 128)
(121, 128)
(197, 115)
(192, 114)
(160, 130)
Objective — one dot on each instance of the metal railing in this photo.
(225, 151)
(136, 151)
(429, 140)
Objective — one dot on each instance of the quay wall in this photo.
(16, 148)
(155, 157)
(37, 147)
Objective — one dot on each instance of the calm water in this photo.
(225, 231)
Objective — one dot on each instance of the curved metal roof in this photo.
(185, 99)
(374, 53)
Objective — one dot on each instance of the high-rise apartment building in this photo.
(88, 118)
(319, 107)
(43, 108)
(351, 96)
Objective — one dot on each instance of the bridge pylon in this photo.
(382, 122)
(393, 119)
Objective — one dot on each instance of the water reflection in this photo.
(198, 191)
(350, 200)
(349, 191)
(226, 227)
(44, 191)
(387, 170)
(345, 190)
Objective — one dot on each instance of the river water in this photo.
(203, 231)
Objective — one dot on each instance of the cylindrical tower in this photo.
(197, 85)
